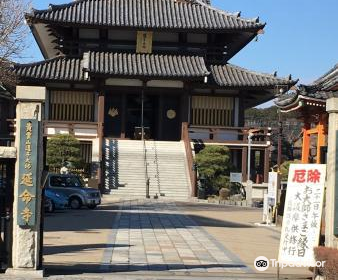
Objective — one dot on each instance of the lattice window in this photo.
(212, 111)
(72, 106)
(86, 151)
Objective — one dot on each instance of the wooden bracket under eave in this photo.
(260, 31)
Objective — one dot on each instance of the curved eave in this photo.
(31, 20)
(296, 102)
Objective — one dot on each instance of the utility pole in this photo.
(249, 182)
(279, 153)
(280, 137)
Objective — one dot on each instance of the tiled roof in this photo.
(329, 80)
(150, 65)
(320, 90)
(229, 75)
(115, 64)
(4, 93)
(144, 65)
(153, 14)
(59, 68)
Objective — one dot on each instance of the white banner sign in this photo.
(236, 177)
(302, 214)
(272, 188)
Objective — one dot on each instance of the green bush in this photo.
(284, 169)
(214, 166)
(64, 148)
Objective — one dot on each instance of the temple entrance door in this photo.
(134, 112)
(170, 118)
(6, 205)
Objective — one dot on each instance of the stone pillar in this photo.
(26, 237)
(331, 184)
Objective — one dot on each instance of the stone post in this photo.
(331, 185)
(26, 237)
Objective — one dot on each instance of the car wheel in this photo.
(75, 203)
(92, 206)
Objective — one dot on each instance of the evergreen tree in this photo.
(214, 166)
(64, 148)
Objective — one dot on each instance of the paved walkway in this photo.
(154, 235)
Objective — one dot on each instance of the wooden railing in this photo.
(93, 128)
(215, 134)
(190, 159)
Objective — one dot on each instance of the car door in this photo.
(59, 185)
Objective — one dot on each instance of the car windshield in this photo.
(66, 182)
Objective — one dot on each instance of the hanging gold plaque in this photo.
(144, 42)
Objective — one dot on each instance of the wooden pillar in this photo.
(185, 108)
(306, 143)
(266, 164)
(160, 118)
(320, 138)
(244, 164)
(241, 110)
(123, 116)
(100, 120)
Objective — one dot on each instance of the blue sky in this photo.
(301, 36)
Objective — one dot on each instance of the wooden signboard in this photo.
(28, 158)
(144, 42)
(302, 214)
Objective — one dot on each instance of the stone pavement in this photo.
(131, 239)
(160, 238)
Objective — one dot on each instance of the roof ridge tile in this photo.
(159, 7)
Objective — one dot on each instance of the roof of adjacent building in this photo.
(229, 75)
(320, 90)
(152, 14)
(329, 80)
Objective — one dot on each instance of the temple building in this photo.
(119, 72)
(310, 102)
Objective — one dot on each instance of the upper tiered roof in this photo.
(145, 14)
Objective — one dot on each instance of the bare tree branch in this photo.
(13, 32)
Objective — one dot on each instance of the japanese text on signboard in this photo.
(27, 172)
(302, 214)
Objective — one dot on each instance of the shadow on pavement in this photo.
(52, 250)
(87, 220)
(75, 269)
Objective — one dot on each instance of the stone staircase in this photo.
(125, 173)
